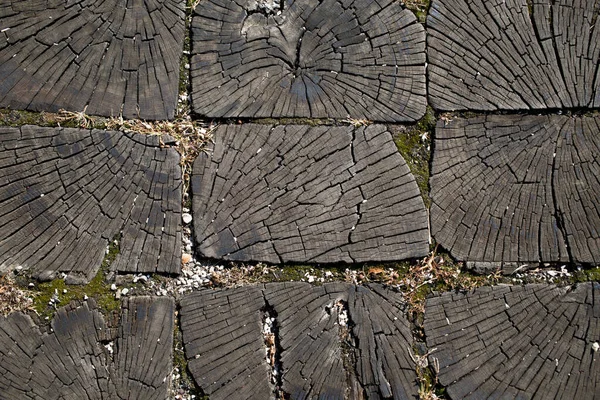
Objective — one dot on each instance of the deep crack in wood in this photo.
(224, 341)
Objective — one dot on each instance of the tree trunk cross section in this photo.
(110, 57)
(513, 54)
(533, 341)
(308, 58)
(66, 194)
(83, 358)
(516, 188)
(334, 341)
(307, 194)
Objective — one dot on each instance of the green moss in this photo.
(587, 275)
(414, 143)
(429, 384)
(427, 123)
(97, 288)
(183, 75)
(20, 118)
(181, 364)
(112, 253)
(419, 7)
(530, 7)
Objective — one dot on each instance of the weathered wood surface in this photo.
(513, 188)
(306, 194)
(113, 56)
(513, 54)
(73, 360)
(384, 342)
(316, 347)
(65, 194)
(224, 344)
(534, 341)
(308, 58)
(310, 339)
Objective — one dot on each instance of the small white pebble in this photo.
(113, 287)
(64, 291)
(187, 218)
(595, 346)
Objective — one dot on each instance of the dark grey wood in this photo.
(309, 335)
(72, 360)
(143, 359)
(113, 56)
(514, 188)
(306, 194)
(316, 349)
(533, 341)
(513, 54)
(224, 343)
(384, 366)
(308, 58)
(65, 194)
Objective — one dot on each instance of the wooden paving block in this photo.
(79, 359)
(65, 193)
(513, 54)
(143, 369)
(517, 189)
(224, 342)
(308, 58)
(317, 333)
(307, 194)
(534, 341)
(112, 56)
(309, 335)
(384, 366)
